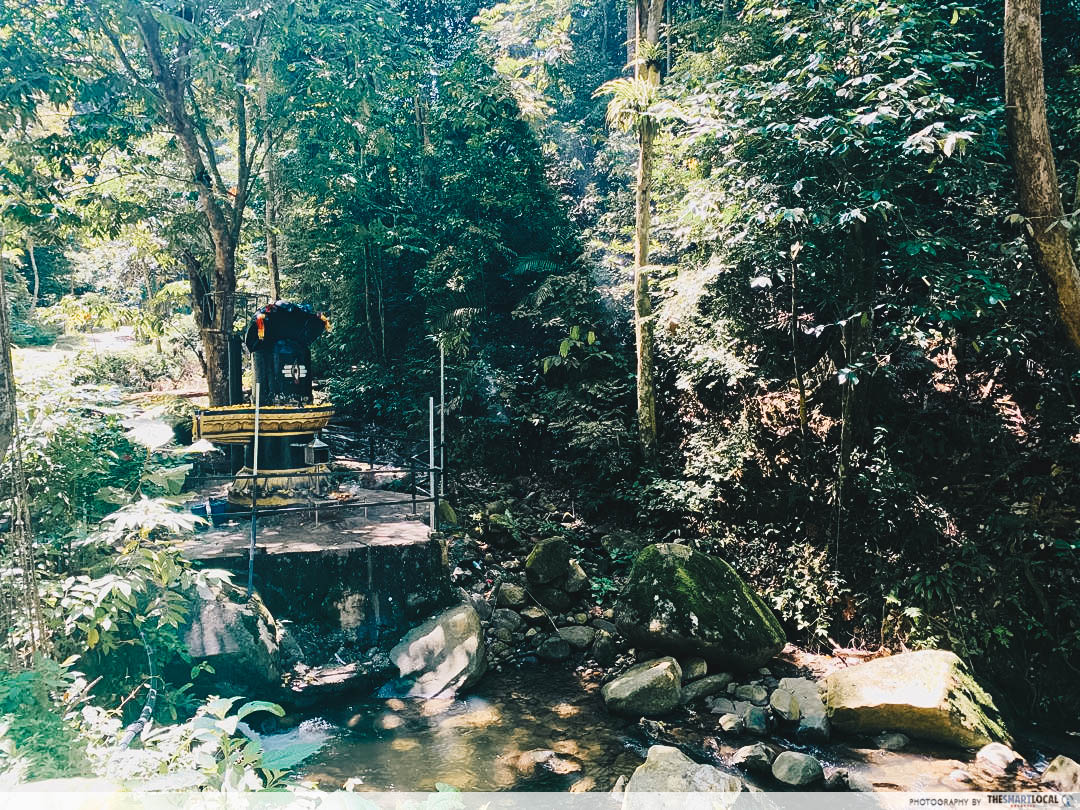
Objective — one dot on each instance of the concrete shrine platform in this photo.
(366, 571)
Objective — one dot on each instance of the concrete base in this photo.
(370, 579)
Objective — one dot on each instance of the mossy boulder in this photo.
(928, 694)
(548, 562)
(651, 689)
(688, 603)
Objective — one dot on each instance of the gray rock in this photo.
(548, 562)
(891, 741)
(529, 763)
(553, 598)
(998, 758)
(553, 648)
(321, 685)
(731, 723)
(481, 605)
(650, 688)
(704, 687)
(504, 635)
(1062, 774)
(721, 705)
(813, 721)
(959, 776)
(533, 614)
(694, 668)
(605, 625)
(797, 770)
(504, 617)
(576, 578)
(757, 758)
(511, 596)
(784, 705)
(837, 780)
(441, 656)
(668, 770)
(758, 695)
(756, 721)
(680, 600)
(578, 637)
(929, 694)
(238, 637)
(603, 648)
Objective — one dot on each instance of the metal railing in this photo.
(388, 454)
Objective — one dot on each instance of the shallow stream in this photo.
(548, 730)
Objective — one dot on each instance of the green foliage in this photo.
(211, 751)
(137, 369)
(39, 736)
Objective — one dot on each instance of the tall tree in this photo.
(634, 106)
(647, 71)
(197, 67)
(1033, 159)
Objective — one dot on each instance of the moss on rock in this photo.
(928, 694)
(689, 603)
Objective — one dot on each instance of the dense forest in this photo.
(792, 283)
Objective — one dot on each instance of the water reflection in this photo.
(519, 731)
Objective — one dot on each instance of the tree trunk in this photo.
(37, 277)
(1033, 159)
(270, 217)
(648, 15)
(214, 304)
(271, 227)
(7, 373)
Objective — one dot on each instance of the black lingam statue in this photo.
(290, 457)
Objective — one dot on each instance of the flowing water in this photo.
(517, 731)
(537, 729)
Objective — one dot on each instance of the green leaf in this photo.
(259, 706)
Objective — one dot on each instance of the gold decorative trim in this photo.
(235, 424)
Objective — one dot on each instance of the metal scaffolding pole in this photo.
(431, 462)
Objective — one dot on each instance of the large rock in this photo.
(578, 637)
(510, 595)
(998, 758)
(238, 637)
(797, 770)
(704, 687)
(442, 656)
(784, 705)
(669, 770)
(813, 719)
(548, 562)
(322, 685)
(757, 757)
(682, 601)
(1062, 774)
(929, 694)
(651, 688)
